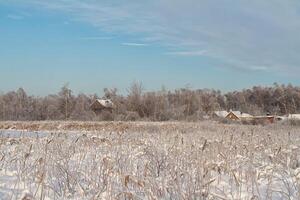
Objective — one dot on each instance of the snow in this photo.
(221, 114)
(294, 116)
(199, 161)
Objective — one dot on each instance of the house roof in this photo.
(221, 113)
(106, 103)
(240, 114)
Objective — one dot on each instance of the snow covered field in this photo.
(151, 161)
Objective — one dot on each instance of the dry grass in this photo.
(94, 126)
(151, 161)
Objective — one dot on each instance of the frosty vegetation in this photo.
(138, 104)
(152, 161)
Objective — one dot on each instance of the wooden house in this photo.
(232, 115)
(100, 105)
(238, 115)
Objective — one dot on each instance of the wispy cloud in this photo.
(15, 16)
(19, 15)
(237, 33)
(134, 44)
(187, 53)
(96, 38)
(259, 68)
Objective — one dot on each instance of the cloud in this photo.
(15, 17)
(259, 68)
(134, 44)
(187, 53)
(240, 34)
(96, 38)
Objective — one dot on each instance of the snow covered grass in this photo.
(154, 161)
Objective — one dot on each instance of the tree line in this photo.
(162, 105)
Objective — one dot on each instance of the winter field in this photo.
(147, 160)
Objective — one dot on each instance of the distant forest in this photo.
(181, 104)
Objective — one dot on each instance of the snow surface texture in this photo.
(205, 161)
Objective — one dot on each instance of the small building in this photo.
(245, 117)
(238, 115)
(232, 115)
(100, 105)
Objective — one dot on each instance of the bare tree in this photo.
(134, 99)
(181, 104)
(66, 103)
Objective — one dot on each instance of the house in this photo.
(238, 115)
(263, 119)
(232, 115)
(100, 105)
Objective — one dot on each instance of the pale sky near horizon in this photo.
(93, 44)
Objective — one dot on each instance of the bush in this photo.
(132, 116)
(106, 116)
(120, 117)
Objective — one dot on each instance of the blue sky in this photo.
(92, 44)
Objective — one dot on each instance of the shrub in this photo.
(106, 116)
(132, 116)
